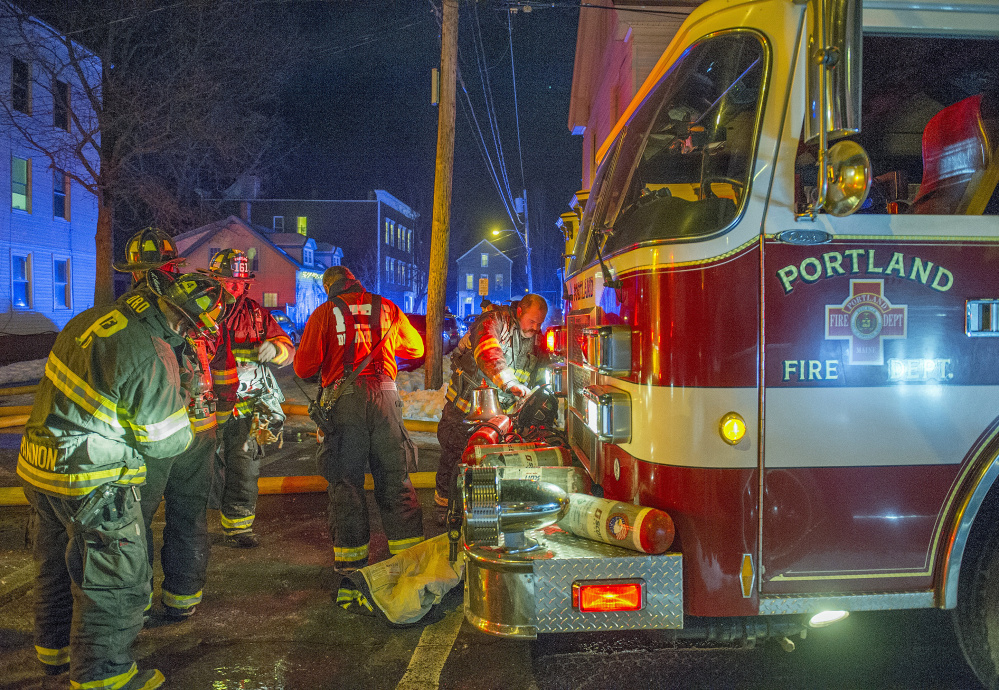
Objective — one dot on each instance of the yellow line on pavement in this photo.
(424, 670)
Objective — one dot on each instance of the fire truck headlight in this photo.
(732, 428)
(824, 618)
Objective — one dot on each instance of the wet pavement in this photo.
(268, 622)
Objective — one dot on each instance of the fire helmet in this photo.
(149, 248)
(197, 296)
(339, 279)
(230, 264)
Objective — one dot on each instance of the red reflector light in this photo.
(551, 339)
(623, 595)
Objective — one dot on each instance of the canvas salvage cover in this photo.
(407, 585)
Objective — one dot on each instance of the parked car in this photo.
(287, 325)
(451, 337)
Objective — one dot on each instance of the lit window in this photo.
(20, 86)
(392, 233)
(60, 284)
(401, 237)
(278, 223)
(60, 104)
(303, 222)
(270, 299)
(499, 280)
(468, 281)
(483, 260)
(251, 254)
(386, 232)
(21, 276)
(60, 195)
(20, 183)
(409, 240)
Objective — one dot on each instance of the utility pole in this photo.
(433, 376)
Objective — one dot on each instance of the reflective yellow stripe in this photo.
(222, 416)
(241, 523)
(181, 601)
(157, 431)
(283, 352)
(149, 604)
(463, 405)
(485, 345)
(199, 425)
(399, 545)
(78, 484)
(228, 376)
(52, 657)
(350, 554)
(345, 597)
(80, 392)
(244, 407)
(112, 683)
(243, 354)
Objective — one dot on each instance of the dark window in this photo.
(60, 104)
(212, 252)
(20, 86)
(21, 275)
(60, 189)
(60, 287)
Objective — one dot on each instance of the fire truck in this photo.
(782, 329)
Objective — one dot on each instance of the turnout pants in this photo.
(236, 473)
(368, 430)
(183, 482)
(452, 433)
(91, 584)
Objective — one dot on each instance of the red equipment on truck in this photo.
(791, 347)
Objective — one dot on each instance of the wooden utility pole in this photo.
(437, 282)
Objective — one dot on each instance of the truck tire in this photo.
(976, 617)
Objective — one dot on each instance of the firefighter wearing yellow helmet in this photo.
(110, 403)
(256, 340)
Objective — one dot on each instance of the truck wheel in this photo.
(976, 617)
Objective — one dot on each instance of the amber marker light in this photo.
(732, 428)
(607, 596)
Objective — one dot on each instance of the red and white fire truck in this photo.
(782, 328)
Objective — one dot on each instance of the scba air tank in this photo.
(638, 528)
(540, 456)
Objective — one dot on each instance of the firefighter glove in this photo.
(517, 389)
(267, 351)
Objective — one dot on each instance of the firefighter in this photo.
(208, 375)
(366, 420)
(256, 339)
(503, 347)
(109, 402)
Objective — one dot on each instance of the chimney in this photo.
(244, 210)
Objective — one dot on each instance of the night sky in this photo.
(362, 117)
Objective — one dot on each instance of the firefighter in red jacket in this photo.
(109, 404)
(256, 339)
(366, 419)
(208, 375)
(503, 348)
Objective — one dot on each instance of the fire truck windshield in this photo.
(681, 168)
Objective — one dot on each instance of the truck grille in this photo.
(582, 439)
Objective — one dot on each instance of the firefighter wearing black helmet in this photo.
(208, 375)
(256, 340)
(109, 403)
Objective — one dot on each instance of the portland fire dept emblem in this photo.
(866, 319)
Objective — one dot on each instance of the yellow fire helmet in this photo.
(230, 264)
(149, 248)
(197, 296)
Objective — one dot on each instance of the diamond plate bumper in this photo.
(521, 595)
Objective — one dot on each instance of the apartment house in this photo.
(47, 227)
